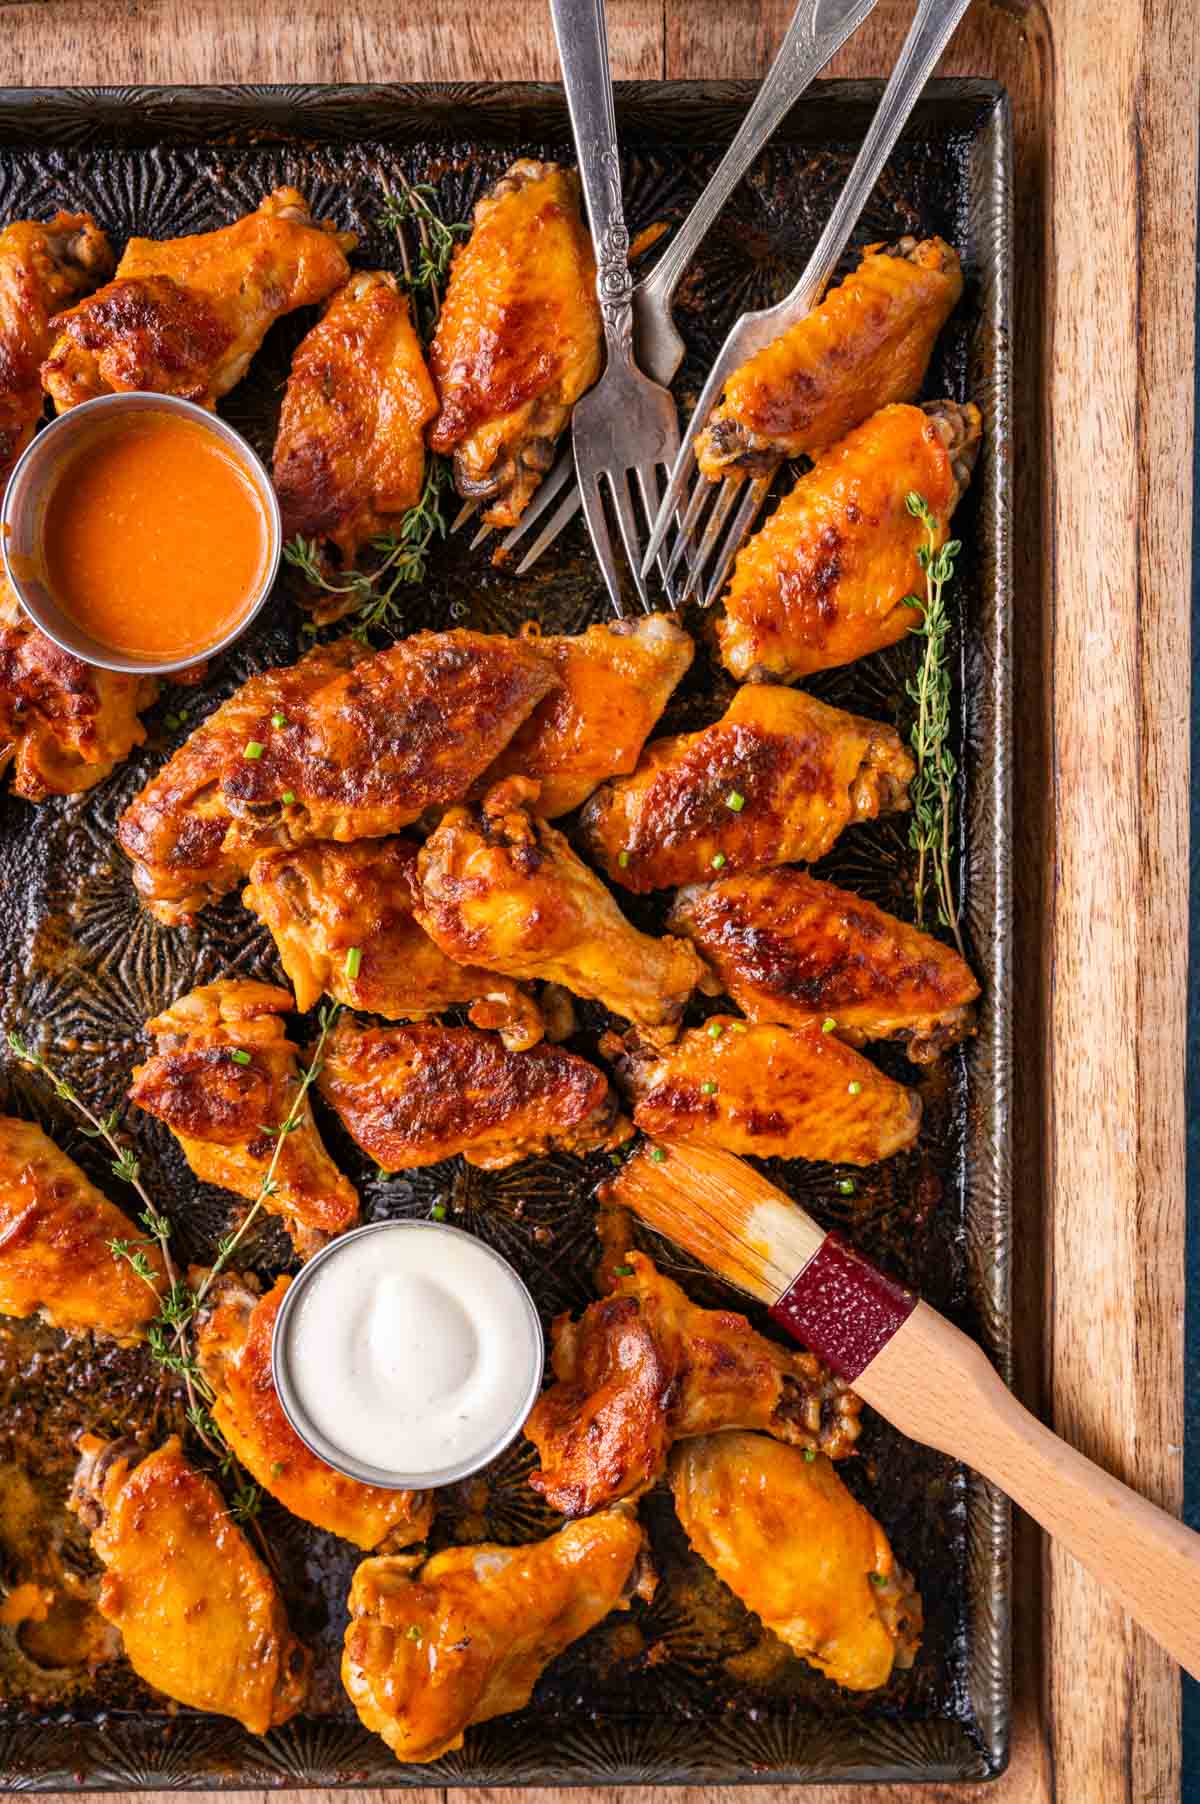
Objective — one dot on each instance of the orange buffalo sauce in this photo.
(154, 539)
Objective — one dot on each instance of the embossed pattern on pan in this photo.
(688, 1690)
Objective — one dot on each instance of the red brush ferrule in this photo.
(843, 1308)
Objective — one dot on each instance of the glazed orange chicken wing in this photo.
(185, 315)
(613, 683)
(786, 1536)
(64, 724)
(465, 1637)
(518, 337)
(344, 745)
(646, 1367)
(43, 267)
(866, 345)
(415, 1095)
(55, 1229)
(502, 887)
(222, 1076)
(350, 451)
(197, 1609)
(342, 920)
(791, 949)
(832, 574)
(776, 1092)
(233, 1344)
(775, 780)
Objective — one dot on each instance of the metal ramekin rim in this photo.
(380, 1476)
(142, 401)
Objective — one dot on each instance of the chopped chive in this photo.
(239, 1057)
(877, 1578)
(828, 1025)
(847, 1186)
(735, 800)
(658, 1154)
(288, 797)
(715, 1030)
(438, 1212)
(174, 720)
(383, 1174)
(718, 860)
(622, 1271)
(809, 1455)
(623, 860)
(413, 1632)
(737, 1027)
(254, 748)
(708, 1088)
(278, 719)
(854, 1087)
(353, 961)
(277, 1468)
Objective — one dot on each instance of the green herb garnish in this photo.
(931, 831)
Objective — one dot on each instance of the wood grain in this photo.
(1104, 98)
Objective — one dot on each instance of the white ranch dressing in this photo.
(413, 1350)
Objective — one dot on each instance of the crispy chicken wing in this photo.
(518, 337)
(777, 1092)
(826, 579)
(614, 681)
(55, 1229)
(42, 269)
(465, 1637)
(222, 1076)
(645, 1367)
(233, 1344)
(791, 949)
(323, 902)
(500, 886)
(350, 451)
(197, 1609)
(415, 1095)
(866, 345)
(365, 744)
(786, 1536)
(185, 315)
(64, 724)
(776, 779)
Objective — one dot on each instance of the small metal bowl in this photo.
(27, 497)
(318, 1443)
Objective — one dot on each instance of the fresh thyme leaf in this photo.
(931, 829)
(415, 206)
(245, 1503)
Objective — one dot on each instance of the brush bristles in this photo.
(722, 1212)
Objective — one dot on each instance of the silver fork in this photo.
(818, 30)
(625, 425)
(930, 32)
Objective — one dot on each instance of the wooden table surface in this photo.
(1105, 97)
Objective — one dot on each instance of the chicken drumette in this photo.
(518, 337)
(645, 1367)
(465, 1637)
(350, 452)
(834, 572)
(223, 1078)
(233, 1344)
(866, 345)
(42, 269)
(197, 1609)
(776, 779)
(415, 1095)
(184, 316)
(344, 745)
(783, 1532)
(55, 1235)
(502, 887)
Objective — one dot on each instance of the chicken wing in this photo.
(185, 315)
(833, 573)
(498, 885)
(414, 1095)
(645, 1367)
(518, 337)
(197, 1609)
(776, 1092)
(783, 1532)
(325, 902)
(350, 451)
(791, 949)
(42, 268)
(866, 345)
(64, 725)
(55, 1230)
(465, 1637)
(222, 1077)
(343, 745)
(233, 1345)
(776, 779)
(614, 681)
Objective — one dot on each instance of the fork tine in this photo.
(560, 472)
(743, 520)
(593, 507)
(647, 478)
(463, 515)
(671, 501)
(481, 535)
(730, 490)
(685, 538)
(563, 514)
(618, 482)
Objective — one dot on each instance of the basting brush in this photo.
(920, 1372)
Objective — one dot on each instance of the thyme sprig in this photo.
(425, 275)
(931, 830)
